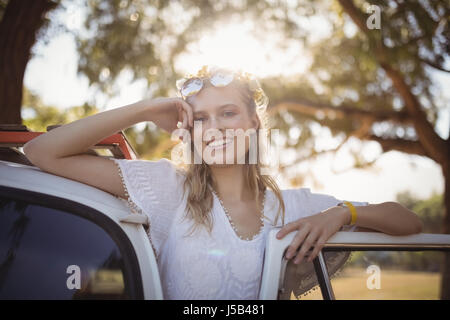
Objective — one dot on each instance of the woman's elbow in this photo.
(419, 225)
(414, 223)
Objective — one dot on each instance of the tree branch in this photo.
(360, 166)
(355, 14)
(406, 146)
(313, 108)
(433, 64)
(314, 154)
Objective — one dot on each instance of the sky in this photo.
(51, 73)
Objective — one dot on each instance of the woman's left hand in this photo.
(314, 231)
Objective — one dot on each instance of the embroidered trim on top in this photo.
(133, 206)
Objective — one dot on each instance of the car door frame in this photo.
(274, 261)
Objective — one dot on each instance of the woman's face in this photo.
(215, 110)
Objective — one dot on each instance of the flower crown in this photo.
(259, 96)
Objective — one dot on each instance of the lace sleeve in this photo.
(153, 188)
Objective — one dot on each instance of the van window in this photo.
(378, 275)
(48, 253)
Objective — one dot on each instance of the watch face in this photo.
(192, 86)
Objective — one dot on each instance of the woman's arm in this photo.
(388, 217)
(78, 136)
(61, 151)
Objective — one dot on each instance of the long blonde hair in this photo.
(198, 176)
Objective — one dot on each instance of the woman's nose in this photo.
(213, 127)
(215, 123)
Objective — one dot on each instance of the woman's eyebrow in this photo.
(219, 108)
(226, 105)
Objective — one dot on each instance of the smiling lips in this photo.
(218, 144)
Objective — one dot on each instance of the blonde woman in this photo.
(209, 217)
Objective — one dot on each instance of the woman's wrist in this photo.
(144, 110)
(345, 214)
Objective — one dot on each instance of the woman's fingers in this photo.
(188, 109)
(319, 245)
(185, 120)
(297, 241)
(306, 245)
(288, 228)
(184, 123)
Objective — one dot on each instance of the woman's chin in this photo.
(221, 159)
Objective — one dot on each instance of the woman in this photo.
(209, 218)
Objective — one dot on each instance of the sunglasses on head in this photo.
(219, 77)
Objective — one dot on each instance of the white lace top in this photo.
(200, 266)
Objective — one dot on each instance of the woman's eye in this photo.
(200, 119)
(229, 113)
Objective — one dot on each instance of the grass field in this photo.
(402, 285)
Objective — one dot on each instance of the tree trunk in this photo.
(18, 30)
(445, 270)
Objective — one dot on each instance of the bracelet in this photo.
(352, 210)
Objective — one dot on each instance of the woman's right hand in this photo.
(166, 112)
